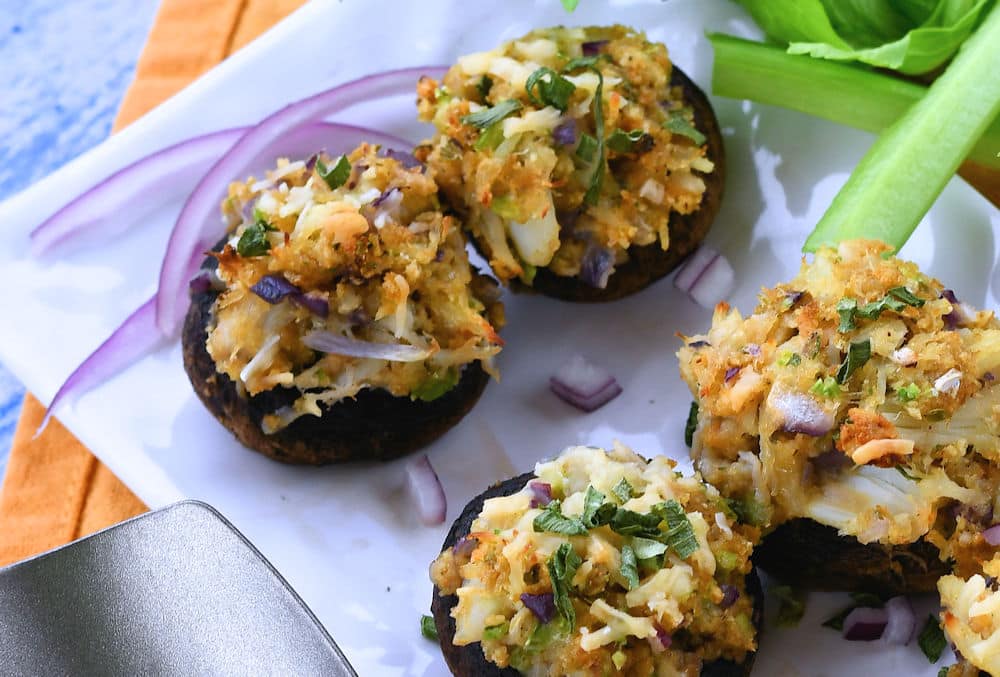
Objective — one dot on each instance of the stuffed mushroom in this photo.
(586, 163)
(340, 319)
(598, 563)
(971, 620)
(854, 417)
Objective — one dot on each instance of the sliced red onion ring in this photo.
(802, 414)
(136, 336)
(543, 605)
(593, 48)
(403, 157)
(707, 277)
(274, 288)
(337, 344)
(129, 189)
(314, 302)
(901, 623)
(584, 385)
(426, 491)
(992, 535)
(194, 226)
(541, 493)
(865, 624)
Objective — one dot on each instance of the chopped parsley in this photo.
(902, 471)
(931, 640)
(253, 241)
(597, 178)
(623, 491)
(552, 520)
(436, 385)
(545, 87)
(562, 566)
(486, 117)
(680, 533)
(484, 86)
(427, 627)
(896, 300)
(630, 567)
(827, 387)
(791, 605)
(636, 141)
(647, 548)
(595, 511)
(908, 393)
(691, 425)
(336, 176)
(678, 123)
(789, 359)
(858, 353)
(587, 147)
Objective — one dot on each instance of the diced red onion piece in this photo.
(314, 302)
(961, 313)
(992, 535)
(597, 265)
(274, 288)
(584, 385)
(384, 196)
(426, 491)
(731, 373)
(403, 157)
(865, 624)
(565, 132)
(802, 414)
(195, 225)
(901, 622)
(136, 336)
(541, 493)
(661, 641)
(543, 605)
(752, 349)
(130, 189)
(465, 546)
(593, 47)
(338, 344)
(707, 277)
(729, 595)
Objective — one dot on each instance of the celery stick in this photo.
(848, 95)
(907, 167)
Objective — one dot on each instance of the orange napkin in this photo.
(55, 491)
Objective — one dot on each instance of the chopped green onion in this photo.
(907, 167)
(908, 393)
(490, 138)
(630, 568)
(436, 385)
(490, 116)
(493, 632)
(587, 147)
(858, 354)
(484, 86)
(553, 89)
(859, 599)
(847, 309)
(570, 5)
(906, 296)
(791, 604)
(678, 123)
(597, 178)
(905, 474)
(427, 627)
(619, 658)
(931, 640)
(623, 490)
(336, 176)
(827, 387)
(789, 359)
(749, 511)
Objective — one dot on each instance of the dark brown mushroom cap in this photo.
(806, 553)
(649, 263)
(375, 425)
(469, 661)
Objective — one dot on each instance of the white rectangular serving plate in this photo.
(345, 537)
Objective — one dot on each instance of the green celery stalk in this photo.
(848, 95)
(907, 167)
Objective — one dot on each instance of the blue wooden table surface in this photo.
(64, 67)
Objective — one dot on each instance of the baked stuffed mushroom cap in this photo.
(340, 318)
(971, 620)
(854, 417)
(586, 163)
(597, 563)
